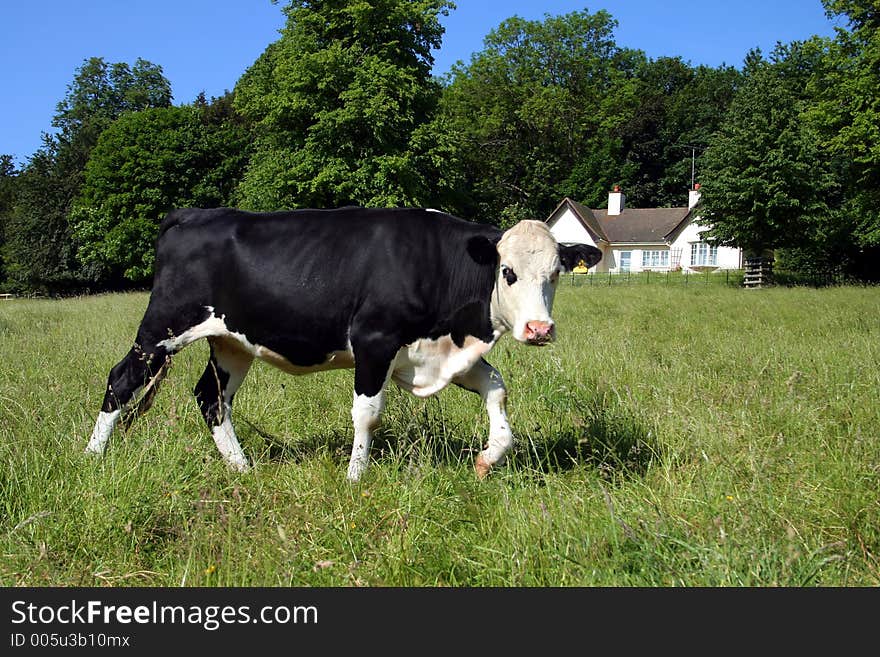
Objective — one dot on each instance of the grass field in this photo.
(672, 436)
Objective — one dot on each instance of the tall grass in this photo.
(672, 436)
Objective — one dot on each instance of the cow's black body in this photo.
(305, 283)
(403, 292)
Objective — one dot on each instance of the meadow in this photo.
(672, 436)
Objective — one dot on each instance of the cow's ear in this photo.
(483, 250)
(572, 254)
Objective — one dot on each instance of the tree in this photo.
(39, 253)
(646, 147)
(536, 112)
(40, 250)
(8, 175)
(693, 111)
(336, 101)
(99, 94)
(765, 182)
(145, 164)
(847, 113)
(676, 109)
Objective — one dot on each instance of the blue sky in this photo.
(205, 45)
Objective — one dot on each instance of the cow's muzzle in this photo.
(539, 333)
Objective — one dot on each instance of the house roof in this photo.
(640, 224)
(633, 225)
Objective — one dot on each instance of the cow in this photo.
(416, 296)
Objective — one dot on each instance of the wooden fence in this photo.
(758, 272)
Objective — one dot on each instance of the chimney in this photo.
(694, 196)
(616, 199)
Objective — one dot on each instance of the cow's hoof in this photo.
(238, 466)
(481, 467)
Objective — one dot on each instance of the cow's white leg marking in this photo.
(227, 442)
(101, 433)
(486, 380)
(236, 362)
(365, 414)
(125, 398)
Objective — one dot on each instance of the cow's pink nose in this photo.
(539, 332)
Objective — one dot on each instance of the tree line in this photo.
(343, 109)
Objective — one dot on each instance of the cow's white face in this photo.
(525, 285)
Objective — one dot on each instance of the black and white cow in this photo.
(412, 295)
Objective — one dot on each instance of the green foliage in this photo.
(796, 164)
(7, 176)
(542, 92)
(145, 164)
(336, 102)
(40, 254)
(343, 109)
(645, 144)
(765, 181)
(679, 108)
(40, 251)
(863, 15)
(101, 92)
(847, 113)
(565, 112)
(7, 198)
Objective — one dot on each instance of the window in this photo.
(704, 254)
(655, 259)
(625, 260)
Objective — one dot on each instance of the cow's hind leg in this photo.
(484, 379)
(371, 372)
(139, 373)
(226, 369)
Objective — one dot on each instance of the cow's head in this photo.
(529, 263)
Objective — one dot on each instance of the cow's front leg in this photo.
(225, 372)
(371, 372)
(485, 380)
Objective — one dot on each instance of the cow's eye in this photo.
(508, 274)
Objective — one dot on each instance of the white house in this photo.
(642, 239)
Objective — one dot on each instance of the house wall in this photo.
(568, 228)
(728, 257)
